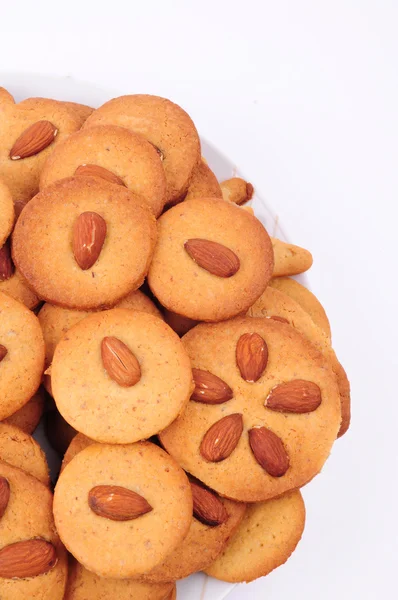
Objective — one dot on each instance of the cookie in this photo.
(203, 183)
(265, 539)
(114, 153)
(290, 259)
(59, 432)
(20, 450)
(11, 281)
(214, 521)
(307, 300)
(81, 111)
(77, 444)
(29, 133)
(265, 411)
(88, 252)
(237, 190)
(21, 355)
(167, 126)
(7, 215)
(181, 325)
(277, 305)
(120, 376)
(120, 510)
(33, 562)
(27, 418)
(212, 260)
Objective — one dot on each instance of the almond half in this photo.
(117, 503)
(207, 506)
(29, 558)
(210, 389)
(3, 352)
(269, 451)
(251, 356)
(4, 495)
(89, 232)
(213, 257)
(119, 362)
(33, 140)
(297, 396)
(97, 171)
(6, 264)
(222, 438)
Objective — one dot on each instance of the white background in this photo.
(303, 94)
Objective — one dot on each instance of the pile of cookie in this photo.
(188, 382)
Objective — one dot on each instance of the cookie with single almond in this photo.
(27, 418)
(20, 450)
(212, 260)
(89, 251)
(234, 436)
(264, 540)
(203, 183)
(290, 259)
(120, 510)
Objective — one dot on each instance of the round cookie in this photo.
(27, 418)
(89, 508)
(97, 400)
(240, 434)
(275, 304)
(307, 300)
(265, 539)
(167, 126)
(84, 585)
(55, 236)
(6, 213)
(237, 190)
(290, 259)
(212, 260)
(13, 284)
(125, 155)
(77, 444)
(29, 133)
(79, 111)
(20, 450)
(41, 570)
(203, 183)
(21, 355)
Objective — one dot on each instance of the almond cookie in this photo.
(6, 214)
(203, 183)
(120, 376)
(120, 510)
(115, 154)
(29, 133)
(33, 562)
(237, 190)
(290, 259)
(244, 433)
(88, 251)
(80, 111)
(77, 444)
(83, 585)
(167, 126)
(212, 260)
(214, 520)
(274, 304)
(21, 355)
(265, 539)
(27, 418)
(307, 300)
(20, 450)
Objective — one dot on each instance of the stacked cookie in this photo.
(190, 383)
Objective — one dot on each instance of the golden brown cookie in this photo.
(27, 418)
(114, 153)
(243, 433)
(33, 562)
(265, 539)
(307, 300)
(59, 432)
(82, 111)
(20, 450)
(290, 259)
(6, 214)
(11, 281)
(77, 444)
(167, 126)
(29, 133)
(120, 510)
(212, 260)
(120, 376)
(88, 252)
(237, 190)
(21, 355)
(203, 183)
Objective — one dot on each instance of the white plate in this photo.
(22, 85)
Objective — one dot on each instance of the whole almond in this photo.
(251, 356)
(269, 451)
(4, 495)
(222, 438)
(213, 257)
(3, 352)
(117, 503)
(207, 506)
(97, 171)
(297, 396)
(119, 362)
(29, 558)
(210, 389)
(33, 140)
(6, 264)
(89, 232)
